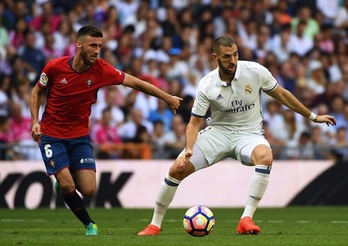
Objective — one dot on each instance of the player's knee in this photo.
(67, 187)
(265, 159)
(88, 192)
(180, 172)
(262, 155)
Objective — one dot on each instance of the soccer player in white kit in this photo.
(233, 94)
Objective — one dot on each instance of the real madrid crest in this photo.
(248, 89)
(89, 82)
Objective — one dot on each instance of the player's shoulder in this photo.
(248, 64)
(102, 63)
(209, 77)
(60, 60)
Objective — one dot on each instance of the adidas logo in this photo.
(63, 81)
(219, 97)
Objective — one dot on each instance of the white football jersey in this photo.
(236, 105)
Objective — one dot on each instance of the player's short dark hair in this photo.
(222, 41)
(89, 31)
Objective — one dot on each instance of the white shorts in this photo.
(215, 143)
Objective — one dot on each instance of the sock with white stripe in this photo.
(165, 196)
(258, 186)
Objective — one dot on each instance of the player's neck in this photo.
(226, 77)
(78, 65)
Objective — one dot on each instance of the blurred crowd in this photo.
(169, 43)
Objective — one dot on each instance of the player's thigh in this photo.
(85, 181)
(254, 150)
(54, 154)
(81, 154)
(213, 144)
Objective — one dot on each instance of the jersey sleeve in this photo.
(45, 76)
(268, 82)
(112, 76)
(201, 104)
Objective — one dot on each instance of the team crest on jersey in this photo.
(52, 163)
(43, 79)
(248, 89)
(89, 82)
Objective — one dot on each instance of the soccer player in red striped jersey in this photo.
(72, 84)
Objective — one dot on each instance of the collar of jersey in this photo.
(223, 83)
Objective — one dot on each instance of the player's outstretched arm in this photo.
(141, 85)
(288, 99)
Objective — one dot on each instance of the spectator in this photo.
(5, 95)
(276, 144)
(105, 133)
(163, 114)
(329, 9)
(263, 43)
(62, 36)
(33, 57)
(174, 140)
(141, 145)
(340, 145)
(341, 20)
(304, 15)
(17, 35)
(128, 130)
(301, 150)
(281, 44)
(320, 145)
(299, 42)
(337, 107)
(328, 133)
(294, 127)
(4, 137)
(48, 16)
(273, 115)
(25, 147)
(145, 103)
(112, 98)
(317, 79)
(157, 139)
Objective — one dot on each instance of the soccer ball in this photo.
(199, 221)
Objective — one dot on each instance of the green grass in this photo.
(282, 226)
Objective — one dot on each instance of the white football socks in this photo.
(165, 196)
(258, 186)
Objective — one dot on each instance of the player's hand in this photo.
(186, 157)
(36, 132)
(174, 103)
(328, 119)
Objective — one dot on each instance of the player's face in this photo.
(90, 49)
(227, 58)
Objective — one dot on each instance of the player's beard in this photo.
(85, 59)
(225, 70)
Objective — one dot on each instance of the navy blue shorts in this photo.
(58, 153)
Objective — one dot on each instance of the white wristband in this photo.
(312, 116)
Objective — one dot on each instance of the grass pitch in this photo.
(281, 226)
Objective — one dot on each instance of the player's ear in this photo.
(214, 56)
(78, 43)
